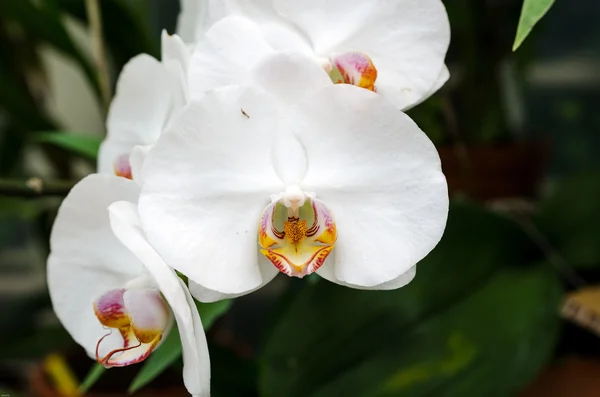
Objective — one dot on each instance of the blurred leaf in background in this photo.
(532, 12)
(478, 320)
(83, 145)
(570, 216)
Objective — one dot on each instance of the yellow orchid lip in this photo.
(141, 327)
(298, 250)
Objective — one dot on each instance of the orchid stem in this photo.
(34, 187)
(95, 20)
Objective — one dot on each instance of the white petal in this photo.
(226, 55)
(86, 259)
(282, 36)
(267, 272)
(205, 184)
(439, 83)
(381, 177)
(196, 372)
(406, 39)
(110, 151)
(197, 16)
(174, 49)
(190, 19)
(136, 160)
(326, 271)
(289, 158)
(289, 76)
(142, 102)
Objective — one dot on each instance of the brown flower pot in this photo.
(492, 172)
(573, 377)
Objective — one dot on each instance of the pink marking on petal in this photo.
(110, 309)
(122, 167)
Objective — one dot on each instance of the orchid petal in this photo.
(214, 145)
(289, 76)
(136, 161)
(381, 177)
(87, 260)
(174, 49)
(197, 17)
(267, 272)
(190, 19)
(139, 110)
(326, 271)
(439, 83)
(282, 36)
(126, 225)
(406, 39)
(111, 150)
(230, 49)
(205, 183)
(140, 106)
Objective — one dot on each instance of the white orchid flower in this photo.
(149, 94)
(394, 47)
(116, 305)
(312, 176)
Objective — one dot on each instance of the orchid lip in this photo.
(141, 316)
(354, 68)
(286, 238)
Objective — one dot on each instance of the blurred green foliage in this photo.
(570, 216)
(479, 320)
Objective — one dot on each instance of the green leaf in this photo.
(569, 218)
(170, 349)
(532, 12)
(211, 312)
(466, 318)
(92, 377)
(84, 145)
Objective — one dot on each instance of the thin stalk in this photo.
(34, 187)
(95, 21)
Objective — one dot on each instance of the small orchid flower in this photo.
(395, 48)
(119, 306)
(312, 177)
(149, 94)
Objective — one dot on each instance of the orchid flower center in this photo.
(122, 167)
(141, 317)
(286, 238)
(353, 68)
